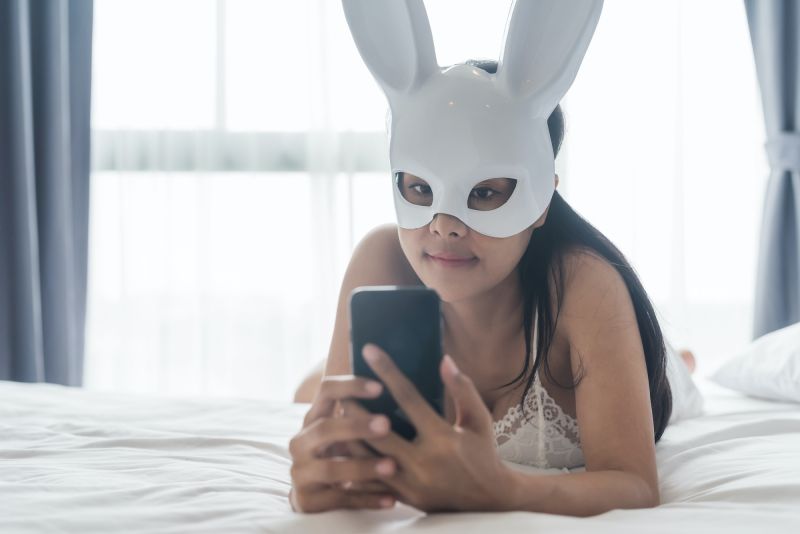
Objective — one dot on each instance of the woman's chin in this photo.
(450, 293)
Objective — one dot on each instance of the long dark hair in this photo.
(565, 230)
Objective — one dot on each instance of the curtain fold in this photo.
(45, 82)
(773, 26)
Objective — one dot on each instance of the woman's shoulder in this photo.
(593, 286)
(584, 264)
(379, 256)
(588, 268)
(575, 268)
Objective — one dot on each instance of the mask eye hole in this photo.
(491, 194)
(413, 189)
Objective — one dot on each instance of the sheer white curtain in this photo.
(240, 154)
(665, 156)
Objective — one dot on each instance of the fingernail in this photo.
(387, 502)
(450, 365)
(379, 424)
(384, 467)
(370, 353)
(374, 387)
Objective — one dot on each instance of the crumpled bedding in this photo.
(78, 460)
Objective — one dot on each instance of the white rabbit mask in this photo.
(459, 126)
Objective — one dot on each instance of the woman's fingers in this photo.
(352, 408)
(359, 449)
(337, 387)
(471, 412)
(335, 449)
(353, 449)
(349, 477)
(335, 471)
(331, 499)
(421, 414)
(390, 445)
(370, 486)
(312, 440)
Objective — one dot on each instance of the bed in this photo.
(76, 460)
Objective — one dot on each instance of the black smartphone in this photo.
(406, 322)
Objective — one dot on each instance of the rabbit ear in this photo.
(545, 41)
(394, 40)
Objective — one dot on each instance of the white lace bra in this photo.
(546, 438)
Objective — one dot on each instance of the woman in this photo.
(604, 391)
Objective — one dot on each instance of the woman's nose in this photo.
(446, 225)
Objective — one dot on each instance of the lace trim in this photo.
(554, 417)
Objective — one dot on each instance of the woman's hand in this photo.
(330, 469)
(447, 467)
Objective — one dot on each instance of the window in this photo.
(239, 155)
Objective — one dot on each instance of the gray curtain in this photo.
(774, 35)
(45, 75)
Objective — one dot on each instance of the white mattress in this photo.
(85, 461)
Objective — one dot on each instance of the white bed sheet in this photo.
(74, 460)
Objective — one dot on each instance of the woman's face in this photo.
(485, 261)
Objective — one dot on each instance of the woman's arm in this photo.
(612, 401)
(376, 260)
(307, 389)
(455, 468)
(579, 494)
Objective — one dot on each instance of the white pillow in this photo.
(768, 368)
(687, 401)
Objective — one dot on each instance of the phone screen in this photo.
(406, 323)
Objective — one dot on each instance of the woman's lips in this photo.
(451, 262)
